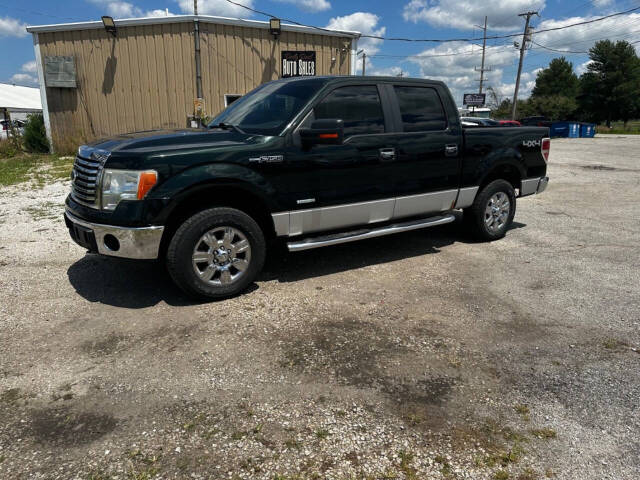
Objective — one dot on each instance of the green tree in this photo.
(557, 79)
(610, 89)
(35, 136)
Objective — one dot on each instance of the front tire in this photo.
(492, 211)
(216, 253)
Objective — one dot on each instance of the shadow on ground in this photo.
(140, 284)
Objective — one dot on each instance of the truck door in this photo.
(337, 186)
(428, 149)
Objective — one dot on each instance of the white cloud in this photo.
(158, 13)
(24, 79)
(454, 63)
(220, 8)
(29, 67)
(582, 37)
(385, 72)
(464, 14)
(309, 5)
(11, 27)
(365, 23)
(582, 68)
(120, 9)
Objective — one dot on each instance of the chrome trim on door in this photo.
(424, 203)
(281, 223)
(466, 197)
(339, 216)
(298, 222)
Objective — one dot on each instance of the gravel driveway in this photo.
(420, 355)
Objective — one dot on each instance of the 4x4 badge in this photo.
(268, 159)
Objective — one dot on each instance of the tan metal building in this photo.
(95, 84)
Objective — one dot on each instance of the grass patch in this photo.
(292, 443)
(544, 433)
(45, 211)
(632, 128)
(322, 434)
(501, 475)
(614, 344)
(524, 411)
(528, 474)
(406, 458)
(38, 168)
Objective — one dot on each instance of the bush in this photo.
(35, 135)
(8, 149)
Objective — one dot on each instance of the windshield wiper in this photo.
(228, 126)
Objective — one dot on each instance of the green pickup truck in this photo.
(313, 162)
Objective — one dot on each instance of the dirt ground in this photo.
(419, 355)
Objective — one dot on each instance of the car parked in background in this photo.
(510, 123)
(5, 126)
(536, 121)
(480, 122)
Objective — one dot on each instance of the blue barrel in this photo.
(559, 129)
(587, 130)
(565, 129)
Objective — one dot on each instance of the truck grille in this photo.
(86, 173)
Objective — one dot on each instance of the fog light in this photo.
(111, 242)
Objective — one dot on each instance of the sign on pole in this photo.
(474, 99)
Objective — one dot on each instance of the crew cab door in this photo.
(428, 149)
(337, 186)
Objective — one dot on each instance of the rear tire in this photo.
(216, 253)
(492, 211)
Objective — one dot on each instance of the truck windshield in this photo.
(270, 107)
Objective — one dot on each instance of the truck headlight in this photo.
(125, 185)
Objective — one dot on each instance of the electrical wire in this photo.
(440, 40)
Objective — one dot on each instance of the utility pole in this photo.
(364, 61)
(522, 49)
(195, 7)
(484, 47)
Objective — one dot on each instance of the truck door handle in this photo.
(451, 150)
(387, 154)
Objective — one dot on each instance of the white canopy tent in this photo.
(16, 99)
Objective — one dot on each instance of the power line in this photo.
(438, 40)
(556, 50)
(34, 12)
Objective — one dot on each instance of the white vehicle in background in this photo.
(5, 128)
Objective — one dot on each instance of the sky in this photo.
(452, 62)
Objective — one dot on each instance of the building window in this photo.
(229, 98)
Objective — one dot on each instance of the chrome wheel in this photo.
(497, 211)
(221, 256)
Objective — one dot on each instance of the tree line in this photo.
(609, 90)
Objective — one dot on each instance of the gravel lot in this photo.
(421, 355)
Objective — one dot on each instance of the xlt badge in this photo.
(268, 159)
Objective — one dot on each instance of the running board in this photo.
(345, 237)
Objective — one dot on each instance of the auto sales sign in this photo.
(298, 64)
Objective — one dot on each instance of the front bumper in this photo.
(127, 242)
(529, 186)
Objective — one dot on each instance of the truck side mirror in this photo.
(328, 131)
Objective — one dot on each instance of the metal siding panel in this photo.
(161, 78)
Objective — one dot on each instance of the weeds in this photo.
(40, 169)
(544, 433)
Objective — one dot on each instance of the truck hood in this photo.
(167, 141)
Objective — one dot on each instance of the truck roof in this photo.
(360, 78)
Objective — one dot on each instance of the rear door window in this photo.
(358, 106)
(420, 108)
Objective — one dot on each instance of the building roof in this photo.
(190, 18)
(20, 99)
